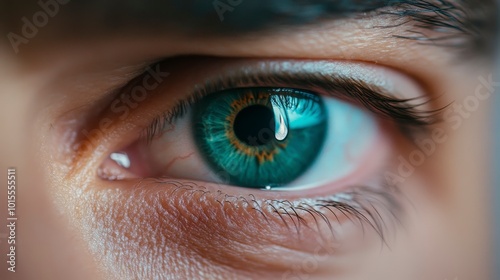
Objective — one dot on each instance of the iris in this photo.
(260, 137)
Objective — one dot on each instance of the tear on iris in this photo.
(260, 137)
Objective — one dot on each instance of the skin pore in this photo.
(130, 230)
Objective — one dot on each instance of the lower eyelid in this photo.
(205, 219)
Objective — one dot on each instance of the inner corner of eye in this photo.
(113, 167)
(123, 164)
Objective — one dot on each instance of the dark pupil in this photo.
(254, 125)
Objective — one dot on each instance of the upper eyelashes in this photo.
(409, 113)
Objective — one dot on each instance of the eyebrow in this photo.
(448, 19)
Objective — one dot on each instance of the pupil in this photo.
(254, 125)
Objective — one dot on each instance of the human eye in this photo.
(286, 129)
(295, 148)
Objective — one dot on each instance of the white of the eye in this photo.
(121, 159)
(350, 132)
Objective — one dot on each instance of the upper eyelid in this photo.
(333, 86)
(261, 71)
(374, 98)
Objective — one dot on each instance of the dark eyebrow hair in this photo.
(449, 20)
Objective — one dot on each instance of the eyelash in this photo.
(407, 113)
(365, 205)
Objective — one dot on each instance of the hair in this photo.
(476, 19)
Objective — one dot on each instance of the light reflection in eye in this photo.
(121, 159)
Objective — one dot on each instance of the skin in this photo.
(64, 210)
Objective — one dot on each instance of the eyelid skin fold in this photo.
(395, 98)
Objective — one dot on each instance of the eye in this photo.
(256, 136)
(230, 150)
(252, 130)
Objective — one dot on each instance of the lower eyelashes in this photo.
(294, 224)
(164, 218)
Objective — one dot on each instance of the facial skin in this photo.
(75, 225)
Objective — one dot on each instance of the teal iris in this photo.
(260, 137)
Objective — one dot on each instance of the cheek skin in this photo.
(173, 230)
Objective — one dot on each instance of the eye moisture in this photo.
(255, 137)
(121, 159)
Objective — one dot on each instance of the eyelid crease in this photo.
(406, 112)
